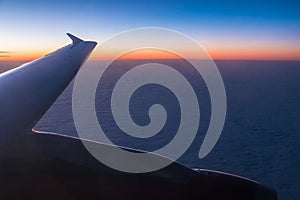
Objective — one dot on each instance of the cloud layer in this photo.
(5, 54)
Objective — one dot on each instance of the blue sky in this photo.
(37, 27)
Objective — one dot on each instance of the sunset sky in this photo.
(264, 30)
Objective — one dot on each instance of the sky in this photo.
(252, 30)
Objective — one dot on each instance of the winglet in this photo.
(74, 39)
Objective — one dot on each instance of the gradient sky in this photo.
(227, 29)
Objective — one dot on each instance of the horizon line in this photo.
(3, 59)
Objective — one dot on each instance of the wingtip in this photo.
(74, 39)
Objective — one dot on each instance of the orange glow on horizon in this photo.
(149, 54)
(22, 56)
(215, 53)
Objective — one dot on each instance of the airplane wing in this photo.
(28, 91)
(40, 165)
(48, 165)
